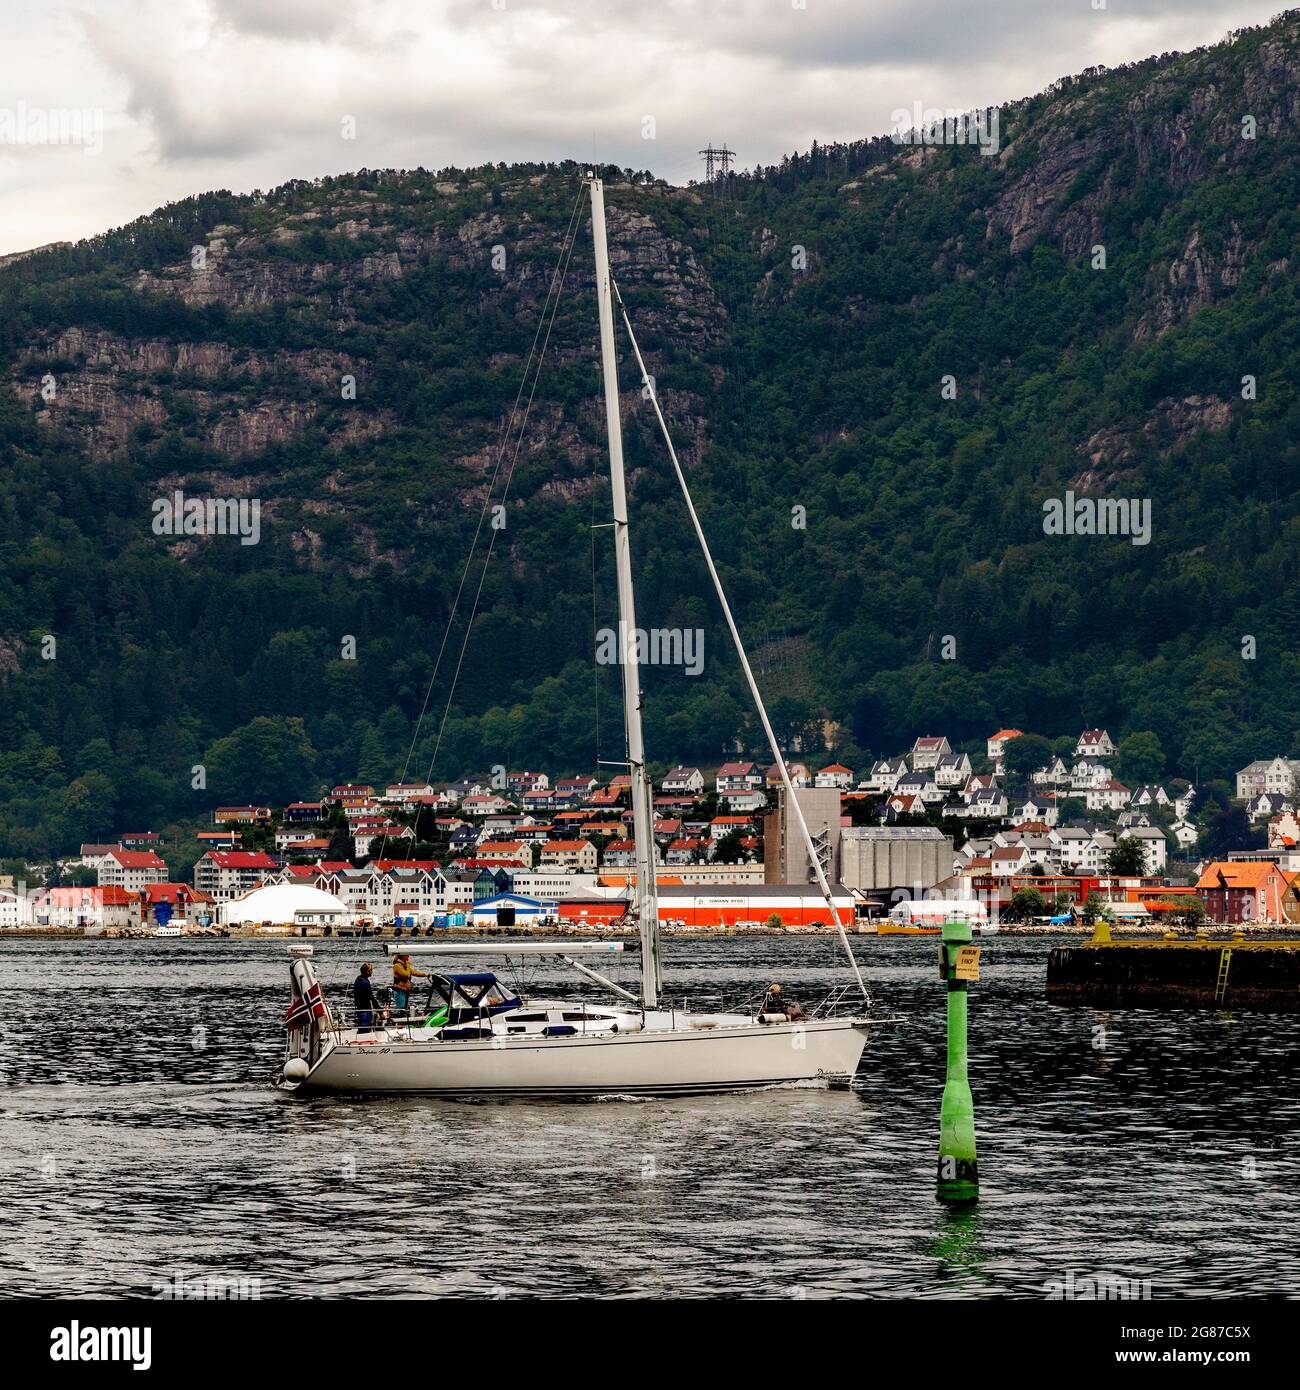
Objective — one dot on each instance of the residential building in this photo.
(579, 855)
(225, 874)
(885, 774)
(1185, 834)
(1007, 860)
(746, 801)
(140, 839)
(1089, 772)
(1284, 830)
(683, 781)
(685, 851)
(241, 815)
(87, 909)
(1272, 776)
(1109, 796)
(919, 784)
(986, 803)
(1055, 774)
(131, 869)
(504, 852)
(352, 791)
(520, 782)
(737, 777)
(1094, 743)
(927, 751)
(834, 775)
(952, 770)
(303, 813)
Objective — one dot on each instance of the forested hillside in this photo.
(800, 323)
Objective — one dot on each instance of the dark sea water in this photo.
(141, 1140)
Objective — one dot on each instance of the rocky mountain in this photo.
(879, 361)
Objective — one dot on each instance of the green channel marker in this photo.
(958, 1172)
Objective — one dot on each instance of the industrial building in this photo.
(884, 859)
(785, 852)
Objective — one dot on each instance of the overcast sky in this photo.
(181, 96)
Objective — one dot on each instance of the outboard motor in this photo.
(306, 1019)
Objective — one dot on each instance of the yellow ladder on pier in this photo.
(1221, 984)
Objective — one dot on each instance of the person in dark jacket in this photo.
(363, 998)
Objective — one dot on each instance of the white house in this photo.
(988, 803)
(752, 800)
(952, 770)
(1272, 775)
(1041, 808)
(1055, 774)
(927, 751)
(1009, 859)
(1109, 796)
(737, 777)
(683, 781)
(1185, 834)
(885, 774)
(921, 784)
(1269, 804)
(1149, 796)
(1088, 772)
(834, 775)
(1094, 743)
(1076, 850)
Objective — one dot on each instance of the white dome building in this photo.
(284, 906)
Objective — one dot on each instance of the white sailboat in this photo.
(475, 1037)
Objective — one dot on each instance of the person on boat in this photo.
(363, 998)
(403, 973)
(774, 1002)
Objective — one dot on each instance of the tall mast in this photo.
(646, 897)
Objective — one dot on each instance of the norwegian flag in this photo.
(304, 1009)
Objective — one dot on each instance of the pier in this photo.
(1195, 972)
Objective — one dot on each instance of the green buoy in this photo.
(958, 1171)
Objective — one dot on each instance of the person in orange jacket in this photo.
(403, 973)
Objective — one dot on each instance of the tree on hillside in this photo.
(266, 760)
(1141, 759)
(1023, 755)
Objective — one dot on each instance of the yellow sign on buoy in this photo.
(968, 963)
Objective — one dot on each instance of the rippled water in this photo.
(140, 1139)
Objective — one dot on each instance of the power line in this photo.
(717, 165)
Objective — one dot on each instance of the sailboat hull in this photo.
(684, 1061)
